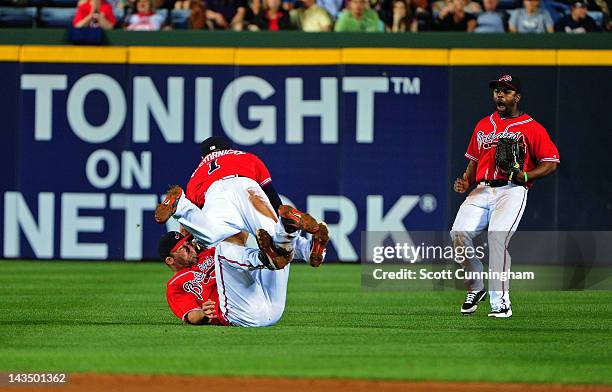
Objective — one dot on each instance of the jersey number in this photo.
(212, 166)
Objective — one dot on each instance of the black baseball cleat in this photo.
(167, 208)
(269, 255)
(501, 312)
(471, 301)
(294, 220)
(319, 241)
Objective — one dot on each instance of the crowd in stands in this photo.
(480, 16)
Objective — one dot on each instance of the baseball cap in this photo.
(579, 4)
(170, 242)
(214, 143)
(508, 81)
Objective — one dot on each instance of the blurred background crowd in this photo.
(481, 16)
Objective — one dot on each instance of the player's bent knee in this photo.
(268, 315)
(461, 238)
(276, 315)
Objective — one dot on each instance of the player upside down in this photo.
(231, 284)
(230, 194)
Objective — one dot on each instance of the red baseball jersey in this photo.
(484, 141)
(189, 288)
(221, 164)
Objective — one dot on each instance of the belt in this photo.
(228, 177)
(494, 183)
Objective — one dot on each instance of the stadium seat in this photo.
(57, 17)
(163, 12)
(17, 16)
(598, 16)
(63, 3)
(180, 19)
(508, 4)
(24, 3)
(555, 9)
(119, 15)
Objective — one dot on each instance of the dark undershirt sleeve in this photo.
(273, 196)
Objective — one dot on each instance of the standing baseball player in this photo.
(231, 192)
(226, 285)
(507, 152)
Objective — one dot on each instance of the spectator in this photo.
(470, 6)
(227, 14)
(358, 18)
(182, 4)
(491, 20)
(421, 10)
(197, 19)
(94, 13)
(422, 13)
(287, 5)
(530, 19)
(578, 21)
(454, 18)
(271, 18)
(145, 19)
(332, 6)
(402, 18)
(118, 7)
(311, 18)
(602, 6)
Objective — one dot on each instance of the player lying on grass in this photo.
(229, 284)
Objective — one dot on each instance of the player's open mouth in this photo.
(500, 105)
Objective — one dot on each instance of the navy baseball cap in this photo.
(214, 143)
(507, 81)
(170, 242)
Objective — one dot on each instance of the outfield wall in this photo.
(369, 139)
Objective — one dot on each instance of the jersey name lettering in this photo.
(488, 140)
(218, 154)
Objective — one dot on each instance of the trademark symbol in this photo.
(402, 85)
(428, 203)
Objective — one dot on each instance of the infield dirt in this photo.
(91, 382)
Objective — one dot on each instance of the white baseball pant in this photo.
(500, 210)
(232, 205)
(248, 297)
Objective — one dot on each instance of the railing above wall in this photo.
(304, 56)
(293, 39)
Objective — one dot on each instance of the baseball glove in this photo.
(510, 156)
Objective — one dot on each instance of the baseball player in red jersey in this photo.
(220, 161)
(496, 203)
(192, 292)
(231, 192)
(224, 285)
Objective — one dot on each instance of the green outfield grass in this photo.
(112, 317)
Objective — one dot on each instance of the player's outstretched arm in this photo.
(542, 170)
(203, 316)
